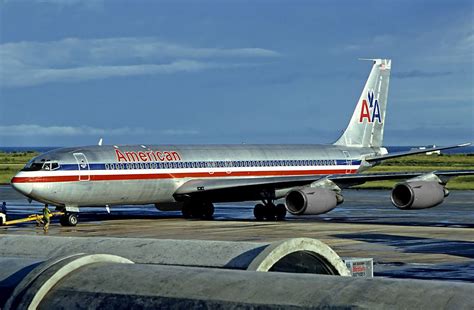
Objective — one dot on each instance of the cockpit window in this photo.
(46, 165)
(32, 166)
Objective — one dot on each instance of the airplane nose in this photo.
(24, 188)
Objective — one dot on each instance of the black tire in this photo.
(207, 211)
(187, 211)
(270, 213)
(69, 219)
(280, 212)
(72, 219)
(259, 212)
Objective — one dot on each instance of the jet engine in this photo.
(418, 194)
(311, 201)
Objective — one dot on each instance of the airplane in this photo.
(191, 178)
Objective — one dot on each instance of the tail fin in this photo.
(365, 128)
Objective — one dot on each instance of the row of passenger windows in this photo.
(220, 164)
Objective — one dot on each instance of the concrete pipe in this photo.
(299, 255)
(90, 281)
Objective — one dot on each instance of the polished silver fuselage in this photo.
(150, 174)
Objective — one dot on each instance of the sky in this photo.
(192, 72)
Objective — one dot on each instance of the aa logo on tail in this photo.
(371, 110)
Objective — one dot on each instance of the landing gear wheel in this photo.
(207, 211)
(187, 211)
(69, 219)
(259, 212)
(280, 211)
(270, 212)
(198, 209)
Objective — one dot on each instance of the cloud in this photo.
(382, 40)
(25, 130)
(33, 63)
(86, 4)
(456, 48)
(420, 74)
(31, 77)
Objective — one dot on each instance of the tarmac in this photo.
(435, 243)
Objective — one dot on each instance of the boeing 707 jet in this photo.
(191, 178)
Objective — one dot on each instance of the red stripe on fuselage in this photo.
(117, 177)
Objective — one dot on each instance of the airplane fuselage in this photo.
(139, 174)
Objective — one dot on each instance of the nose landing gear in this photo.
(68, 219)
(269, 211)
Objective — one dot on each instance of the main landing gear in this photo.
(198, 209)
(269, 211)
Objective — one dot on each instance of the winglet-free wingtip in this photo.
(464, 144)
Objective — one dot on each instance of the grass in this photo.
(11, 163)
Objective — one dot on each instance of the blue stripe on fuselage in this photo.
(170, 165)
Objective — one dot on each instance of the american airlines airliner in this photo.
(191, 178)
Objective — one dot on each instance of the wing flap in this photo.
(200, 185)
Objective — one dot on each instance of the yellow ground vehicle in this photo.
(30, 218)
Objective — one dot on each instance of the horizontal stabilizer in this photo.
(414, 152)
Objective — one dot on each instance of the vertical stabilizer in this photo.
(365, 128)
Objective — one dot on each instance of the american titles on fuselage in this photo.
(146, 156)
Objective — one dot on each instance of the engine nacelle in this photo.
(311, 201)
(418, 195)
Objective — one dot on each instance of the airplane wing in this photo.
(242, 189)
(401, 154)
(239, 189)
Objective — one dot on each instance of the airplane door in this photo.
(347, 155)
(228, 166)
(83, 164)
